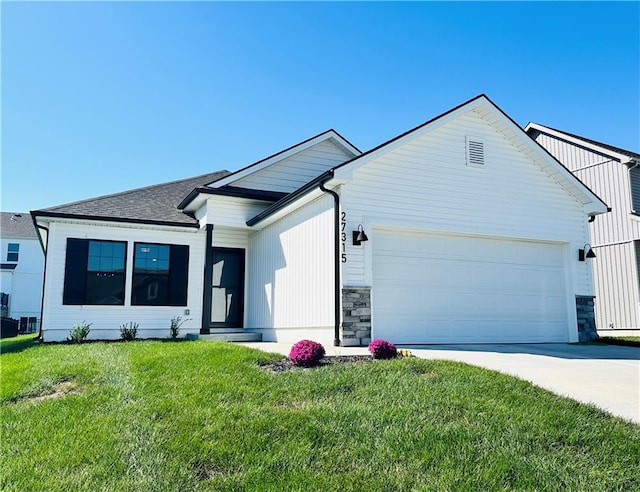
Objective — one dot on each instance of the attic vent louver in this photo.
(475, 152)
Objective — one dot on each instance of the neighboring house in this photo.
(21, 270)
(614, 174)
(462, 229)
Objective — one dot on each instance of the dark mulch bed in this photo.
(284, 365)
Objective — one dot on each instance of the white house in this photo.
(21, 270)
(462, 229)
(614, 174)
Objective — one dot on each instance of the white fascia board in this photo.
(346, 171)
(328, 135)
(119, 224)
(578, 141)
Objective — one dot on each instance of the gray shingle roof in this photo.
(151, 204)
(17, 224)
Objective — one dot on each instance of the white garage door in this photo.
(430, 288)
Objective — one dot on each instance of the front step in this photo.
(238, 336)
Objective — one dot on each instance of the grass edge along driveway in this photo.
(204, 416)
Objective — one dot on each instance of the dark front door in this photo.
(227, 297)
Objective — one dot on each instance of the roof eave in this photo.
(623, 158)
(126, 220)
(290, 198)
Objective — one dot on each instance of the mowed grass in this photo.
(15, 344)
(143, 416)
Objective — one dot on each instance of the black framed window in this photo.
(94, 272)
(13, 250)
(160, 275)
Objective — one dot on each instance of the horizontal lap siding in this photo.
(232, 212)
(106, 320)
(291, 268)
(426, 185)
(224, 237)
(292, 172)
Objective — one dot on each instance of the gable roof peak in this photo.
(619, 153)
(329, 134)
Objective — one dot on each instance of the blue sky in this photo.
(102, 97)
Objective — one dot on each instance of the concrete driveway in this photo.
(606, 375)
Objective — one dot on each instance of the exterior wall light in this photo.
(359, 236)
(586, 252)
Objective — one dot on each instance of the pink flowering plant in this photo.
(381, 349)
(306, 353)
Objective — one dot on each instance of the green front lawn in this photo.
(15, 344)
(203, 416)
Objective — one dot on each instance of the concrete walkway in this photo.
(606, 375)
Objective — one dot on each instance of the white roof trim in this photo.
(578, 141)
(328, 135)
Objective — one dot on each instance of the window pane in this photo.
(153, 276)
(13, 247)
(97, 275)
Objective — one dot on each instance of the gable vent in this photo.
(475, 152)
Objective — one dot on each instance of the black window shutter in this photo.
(178, 275)
(75, 271)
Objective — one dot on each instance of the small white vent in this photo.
(475, 152)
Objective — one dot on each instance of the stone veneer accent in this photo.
(356, 316)
(586, 319)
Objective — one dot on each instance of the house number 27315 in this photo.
(343, 236)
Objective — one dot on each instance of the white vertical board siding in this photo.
(426, 185)
(572, 156)
(292, 172)
(612, 234)
(58, 319)
(290, 264)
(616, 285)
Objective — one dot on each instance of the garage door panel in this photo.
(451, 289)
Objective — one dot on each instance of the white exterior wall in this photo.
(58, 319)
(617, 300)
(296, 170)
(290, 265)
(24, 283)
(426, 185)
(229, 212)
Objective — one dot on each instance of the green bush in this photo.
(129, 332)
(176, 323)
(79, 332)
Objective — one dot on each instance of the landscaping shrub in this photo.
(79, 332)
(381, 349)
(129, 332)
(176, 323)
(306, 353)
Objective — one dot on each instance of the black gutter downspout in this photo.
(44, 278)
(336, 275)
(208, 280)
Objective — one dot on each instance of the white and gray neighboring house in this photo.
(614, 175)
(462, 229)
(21, 270)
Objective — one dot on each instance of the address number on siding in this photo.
(343, 236)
